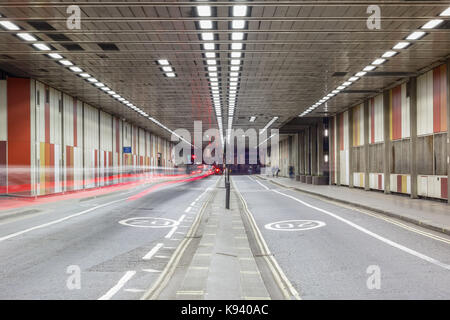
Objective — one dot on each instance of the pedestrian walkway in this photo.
(223, 266)
(433, 215)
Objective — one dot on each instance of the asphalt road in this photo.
(346, 253)
(42, 254)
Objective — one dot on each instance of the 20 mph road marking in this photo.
(370, 233)
(128, 275)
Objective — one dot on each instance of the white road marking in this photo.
(193, 203)
(151, 270)
(128, 275)
(152, 252)
(188, 209)
(134, 290)
(172, 231)
(13, 235)
(372, 234)
(265, 187)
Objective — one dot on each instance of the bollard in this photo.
(227, 195)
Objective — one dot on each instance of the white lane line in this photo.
(193, 203)
(265, 187)
(12, 235)
(152, 252)
(128, 275)
(172, 231)
(372, 234)
(188, 209)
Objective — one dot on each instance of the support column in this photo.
(413, 142)
(387, 142)
(350, 147)
(307, 152)
(338, 151)
(448, 131)
(295, 154)
(313, 148)
(366, 146)
(301, 153)
(320, 160)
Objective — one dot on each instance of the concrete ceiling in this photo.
(292, 51)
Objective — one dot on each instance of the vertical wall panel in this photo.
(344, 149)
(3, 135)
(91, 147)
(358, 125)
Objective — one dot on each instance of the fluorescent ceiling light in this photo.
(237, 36)
(235, 61)
(211, 62)
(207, 36)
(239, 11)
(170, 75)
(236, 46)
(105, 89)
(55, 56)
(389, 54)
(212, 68)
(111, 92)
(9, 25)
(234, 74)
(26, 36)
(233, 79)
(416, 35)
(210, 54)
(41, 46)
(378, 61)
(65, 62)
(214, 79)
(235, 68)
(205, 24)
(209, 46)
(369, 68)
(213, 74)
(116, 95)
(401, 45)
(76, 69)
(347, 83)
(236, 54)
(92, 80)
(85, 75)
(432, 24)
(167, 69)
(361, 74)
(445, 13)
(204, 11)
(121, 99)
(252, 119)
(99, 84)
(238, 24)
(353, 79)
(163, 62)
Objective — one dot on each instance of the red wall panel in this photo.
(3, 176)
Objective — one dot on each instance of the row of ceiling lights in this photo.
(416, 35)
(165, 66)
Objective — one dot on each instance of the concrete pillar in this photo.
(307, 152)
(366, 146)
(448, 131)
(387, 143)
(295, 153)
(320, 160)
(301, 153)
(338, 151)
(413, 142)
(313, 148)
(350, 152)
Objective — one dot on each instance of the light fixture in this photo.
(445, 13)
(252, 119)
(205, 24)
(211, 62)
(92, 80)
(234, 74)
(239, 11)
(76, 69)
(207, 36)
(204, 11)
(401, 45)
(389, 54)
(9, 25)
(237, 36)
(208, 46)
(369, 68)
(432, 24)
(26, 36)
(170, 75)
(213, 74)
(233, 79)
(236, 46)
(116, 96)
(41, 46)
(234, 68)
(235, 62)
(163, 62)
(378, 61)
(238, 24)
(361, 74)
(353, 79)
(85, 75)
(66, 62)
(55, 55)
(99, 84)
(111, 92)
(347, 83)
(210, 54)
(105, 88)
(236, 54)
(416, 35)
(214, 79)
(211, 68)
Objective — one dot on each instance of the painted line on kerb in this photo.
(265, 187)
(13, 235)
(111, 292)
(370, 233)
(152, 252)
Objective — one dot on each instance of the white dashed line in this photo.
(128, 275)
(152, 252)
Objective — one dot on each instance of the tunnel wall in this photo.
(51, 142)
(410, 152)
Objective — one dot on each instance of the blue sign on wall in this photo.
(126, 149)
